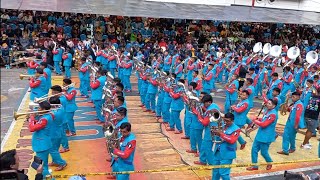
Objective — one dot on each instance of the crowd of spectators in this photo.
(33, 28)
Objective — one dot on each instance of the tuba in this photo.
(311, 58)
(266, 50)
(292, 54)
(111, 134)
(215, 117)
(275, 52)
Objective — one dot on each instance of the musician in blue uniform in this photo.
(144, 87)
(231, 92)
(71, 106)
(47, 75)
(176, 107)
(57, 58)
(265, 135)
(127, 68)
(191, 67)
(225, 152)
(104, 59)
(274, 83)
(298, 76)
(166, 101)
(84, 77)
(286, 81)
(150, 100)
(125, 153)
(159, 101)
(275, 96)
(97, 90)
(208, 79)
(262, 77)
(38, 85)
(178, 69)
(167, 61)
(39, 125)
(250, 89)
(56, 89)
(67, 63)
(56, 133)
(292, 125)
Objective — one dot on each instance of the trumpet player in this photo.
(292, 125)
(39, 125)
(225, 152)
(191, 67)
(38, 85)
(231, 92)
(266, 134)
(97, 89)
(57, 58)
(84, 77)
(178, 68)
(56, 133)
(32, 65)
(71, 106)
(56, 89)
(67, 62)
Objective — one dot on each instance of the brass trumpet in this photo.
(21, 76)
(16, 115)
(45, 97)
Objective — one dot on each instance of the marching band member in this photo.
(311, 115)
(167, 61)
(208, 79)
(56, 89)
(57, 58)
(167, 101)
(150, 100)
(112, 63)
(206, 145)
(56, 132)
(144, 87)
(39, 125)
(47, 75)
(84, 77)
(265, 135)
(270, 66)
(97, 90)
(198, 81)
(32, 65)
(67, 63)
(240, 114)
(38, 85)
(275, 96)
(292, 125)
(191, 67)
(125, 153)
(286, 81)
(178, 69)
(274, 83)
(250, 89)
(159, 101)
(176, 107)
(225, 152)
(127, 68)
(71, 107)
(104, 59)
(298, 75)
(231, 92)
(260, 79)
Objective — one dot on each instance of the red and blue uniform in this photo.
(97, 90)
(150, 101)
(273, 84)
(127, 68)
(67, 63)
(84, 77)
(287, 84)
(124, 161)
(38, 87)
(231, 95)
(71, 107)
(176, 107)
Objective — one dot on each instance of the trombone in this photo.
(21, 76)
(45, 97)
(16, 115)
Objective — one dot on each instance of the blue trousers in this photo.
(187, 123)
(143, 96)
(150, 101)
(113, 71)
(166, 112)
(289, 139)
(122, 176)
(84, 87)
(64, 138)
(159, 104)
(258, 89)
(104, 66)
(264, 148)
(126, 82)
(220, 77)
(223, 173)
(195, 139)
(98, 106)
(67, 71)
(69, 116)
(206, 154)
(54, 151)
(44, 155)
(227, 105)
(57, 67)
(175, 120)
(139, 85)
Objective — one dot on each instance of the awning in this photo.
(144, 8)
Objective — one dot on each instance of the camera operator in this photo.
(9, 160)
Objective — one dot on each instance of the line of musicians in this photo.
(171, 100)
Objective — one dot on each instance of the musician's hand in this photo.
(217, 132)
(40, 169)
(113, 146)
(233, 107)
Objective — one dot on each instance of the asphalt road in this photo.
(12, 91)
